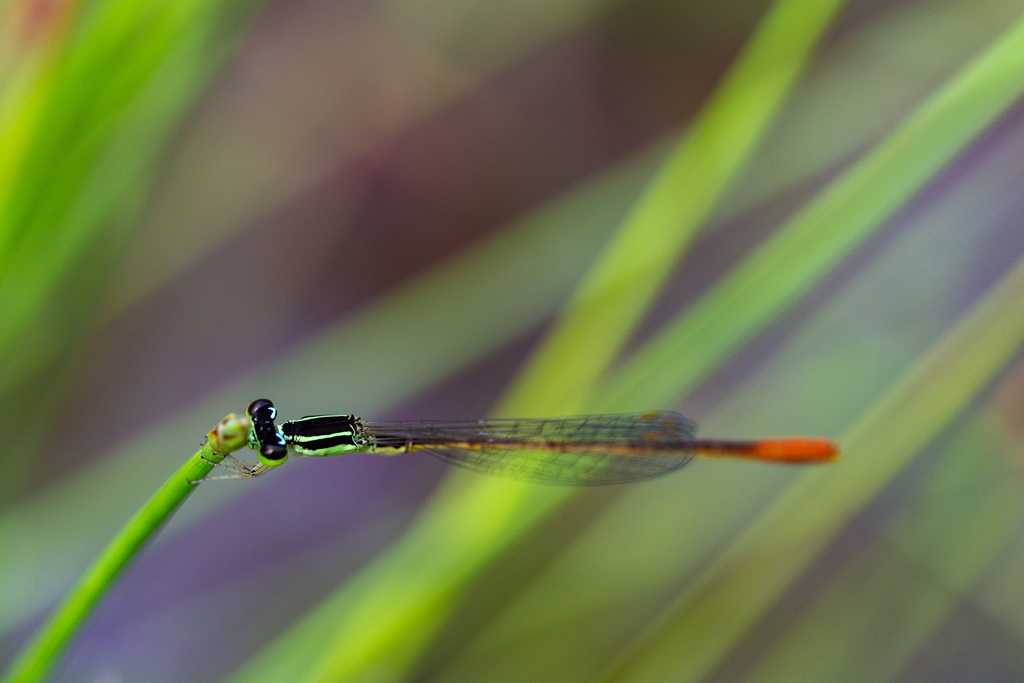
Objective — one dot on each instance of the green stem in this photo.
(41, 654)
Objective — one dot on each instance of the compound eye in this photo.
(273, 451)
(262, 409)
(273, 454)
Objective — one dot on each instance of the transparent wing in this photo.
(575, 451)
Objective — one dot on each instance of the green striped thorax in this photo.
(321, 435)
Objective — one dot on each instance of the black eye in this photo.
(262, 409)
(273, 451)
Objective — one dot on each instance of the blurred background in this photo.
(778, 218)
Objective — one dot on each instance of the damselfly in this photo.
(575, 451)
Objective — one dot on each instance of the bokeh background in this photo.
(452, 208)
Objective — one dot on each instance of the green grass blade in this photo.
(616, 293)
(587, 603)
(750, 576)
(824, 231)
(43, 652)
(78, 147)
(937, 545)
(388, 614)
(879, 63)
(913, 155)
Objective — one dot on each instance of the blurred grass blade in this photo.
(950, 528)
(570, 617)
(698, 630)
(232, 167)
(28, 48)
(618, 290)
(80, 132)
(860, 85)
(383, 635)
(385, 617)
(824, 231)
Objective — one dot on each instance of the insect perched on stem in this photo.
(573, 451)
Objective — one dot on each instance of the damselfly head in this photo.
(265, 438)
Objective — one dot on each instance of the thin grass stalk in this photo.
(43, 652)
(43, 538)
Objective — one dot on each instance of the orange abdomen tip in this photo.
(795, 450)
